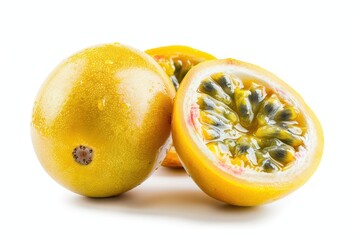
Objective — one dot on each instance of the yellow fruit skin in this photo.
(114, 99)
(220, 184)
(180, 51)
(192, 54)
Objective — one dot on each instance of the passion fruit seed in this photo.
(283, 154)
(269, 166)
(206, 102)
(225, 81)
(268, 109)
(281, 133)
(257, 95)
(287, 114)
(82, 155)
(243, 106)
(176, 68)
(210, 133)
(209, 87)
(247, 125)
(217, 119)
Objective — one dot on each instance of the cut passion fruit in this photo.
(176, 61)
(243, 135)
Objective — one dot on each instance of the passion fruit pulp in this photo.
(248, 124)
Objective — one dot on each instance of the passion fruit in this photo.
(101, 121)
(176, 61)
(243, 135)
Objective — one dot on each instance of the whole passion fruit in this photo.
(101, 121)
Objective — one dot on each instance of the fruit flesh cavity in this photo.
(248, 125)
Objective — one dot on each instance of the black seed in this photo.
(208, 86)
(285, 115)
(268, 166)
(215, 121)
(254, 97)
(90, 151)
(244, 111)
(243, 148)
(181, 70)
(288, 141)
(269, 109)
(279, 154)
(178, 66)
(224, 81)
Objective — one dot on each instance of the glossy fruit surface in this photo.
(176, 61)
(243, 135)
(101, 121)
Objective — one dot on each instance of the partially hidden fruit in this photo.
(176, 61)
(243, 135)
(101, 121)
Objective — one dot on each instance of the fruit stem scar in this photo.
(82, 154)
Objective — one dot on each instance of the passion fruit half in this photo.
(243, 135)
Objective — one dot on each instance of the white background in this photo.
(312, 45)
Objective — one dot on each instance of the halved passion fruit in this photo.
(176, 61)
(243, 135)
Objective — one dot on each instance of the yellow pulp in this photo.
(248, 125)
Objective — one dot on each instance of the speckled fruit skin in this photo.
(172, 159)
(199, 161)
(113, 99)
